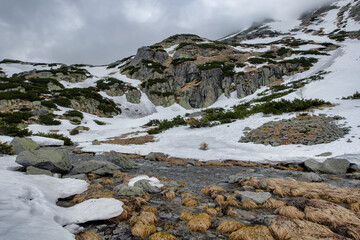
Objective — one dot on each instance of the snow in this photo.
(153, 181)
(284, 26)
(44, 141)
(171, 50)
(29, 206)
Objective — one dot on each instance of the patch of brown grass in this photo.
(145, 218)
(210, 189)
(248, 204)
(227, 227)
(129, 141)
(92, 176)
(91, 194)
(186, 216)
(150, 209)
(211, 212)
(162, 236)
(338, 218)
(169, 195)
(293, 188)
(119, 174)
(231, 200)
(190, 201)
(123, 216)
(290, 212)
(218, 164)
(284, 228)
(87, 236)
(252, 233)
(355, 207)
(142, 230)
(220, 200)
(106, 181)
(200, 222)
(273, 203)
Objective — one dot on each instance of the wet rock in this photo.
(37, 171)
(123, 190)
(154, 156)
(23, 144)
(95, 166)
(257, 197)
(238, 178)
(312, 165)
(335, 166)
(122, 161)
(146, 186)
(54, 160)
(311, 177)
(353, 167)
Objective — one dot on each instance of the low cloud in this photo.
(99, 32)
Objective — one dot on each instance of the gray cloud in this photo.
(99, 32)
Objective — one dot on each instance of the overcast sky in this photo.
(102, 31)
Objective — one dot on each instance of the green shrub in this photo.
(74, 113)
(105, 84)
(240, 64)
(228, 69)
(154, 81)
(99, 122)
(30, 95)
(10, 61)
(155, 66)
(75, 131)
(48, 104)
(269, 54)
(177, 61)
(14, 117)
(6, 149)
(13, 130)
(354, 96)
(282, 51)
(62, 101)
(255, 60)
(131, 69)
(49, 120)
(210, 46)
(272, 96)
(166, 124)
(67, 141)
(304, 62)
(162, 94)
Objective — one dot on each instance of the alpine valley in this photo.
(252, 136)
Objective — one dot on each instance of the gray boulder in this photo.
(257, 197)
(145, 185)
(123, 190)
(311, 177)
(312, 165)
(54, 160)
(78, 176)
(37, 171)
(23, 144)
(95, 166)
(335, 166)
(154, 156)
(238, 178)
(122, 161)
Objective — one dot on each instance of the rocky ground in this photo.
(306, 130)
(213, 200)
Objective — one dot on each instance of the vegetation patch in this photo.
(162, 94)
(13, 130)
(155, 66)
(354, 96)
(163, 125)
(49, 120)
(228, 69)
(67, 141)
(48, 104)
(178, 61)
(151, 82)
(14, 117)
(131, 69)
(6, 149)
(74, 113)
(99, 122)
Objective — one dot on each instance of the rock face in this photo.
(37, 171)
(23, 144)
(53, 160)
(95, 166)
(154, 156)
(258, 198)
(335, 166)
(123, 190)
(330, 165)
(123, 162)
(197, 74)
(146, 186)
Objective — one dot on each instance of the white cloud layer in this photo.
(98, 32)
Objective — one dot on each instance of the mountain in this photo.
(214, 86)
